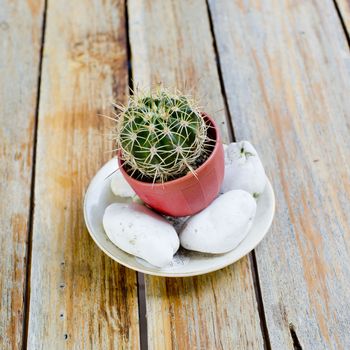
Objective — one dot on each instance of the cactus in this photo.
(162, 136)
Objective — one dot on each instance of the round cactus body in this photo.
(161, 136)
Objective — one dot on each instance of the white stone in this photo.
(221, 226)
(120, 187)
(139, 231)
(243, 169)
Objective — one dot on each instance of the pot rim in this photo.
(182, 179)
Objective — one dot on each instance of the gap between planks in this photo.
(231, 131)
(141, 297)
(293, 334)
(342, 22)
(259, 301)
(26, 296)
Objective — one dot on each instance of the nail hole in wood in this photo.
(65, 336)
(293, 334)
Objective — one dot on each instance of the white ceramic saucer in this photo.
(185, 263)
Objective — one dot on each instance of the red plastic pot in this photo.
(186, 195)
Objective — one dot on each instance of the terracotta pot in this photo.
(186, 195)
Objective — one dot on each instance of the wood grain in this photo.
(20, 39)
(344, 8)
(79, 297)
(171, 44)
(286, 73)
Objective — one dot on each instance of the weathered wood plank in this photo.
(171, 43)
(20, 39)
(286, 73)
(79, 297)
(344, 8)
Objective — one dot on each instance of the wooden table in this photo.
(276, 72)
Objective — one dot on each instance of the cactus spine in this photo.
(162, 136)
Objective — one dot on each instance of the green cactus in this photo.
(162, 136)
